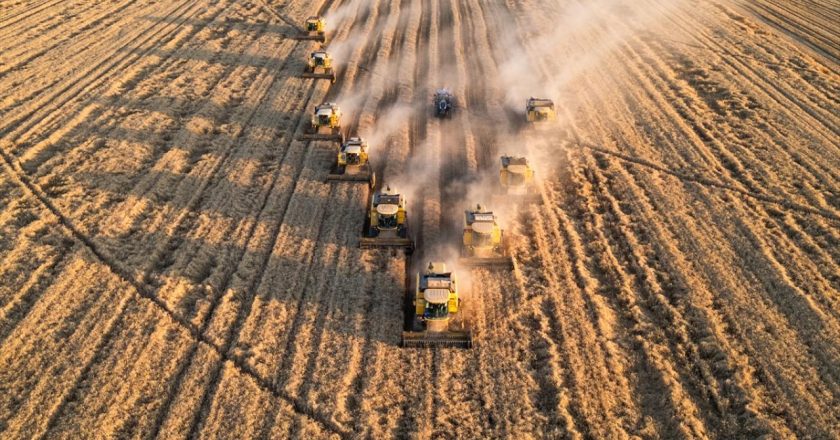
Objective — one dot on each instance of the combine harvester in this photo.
(319, 66)
(386, 224)
(444, 103)
(325, 124)
(437, 321)
(484, 243)
(539, 110)
(352, 164)
(516, 181)
(314, 28)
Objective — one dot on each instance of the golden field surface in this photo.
(173, 263)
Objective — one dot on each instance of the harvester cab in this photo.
(320, 66)
(387, 223)
(444, 103)
(325, 123)
(352, 163)
(436, 308)
(540, 109)
(484, 243)
(516, 178)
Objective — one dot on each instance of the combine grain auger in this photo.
(387, 223)
(437, 318)
(539, 110)
(319, 66)
(516, 182)
(325, 124)
(484, 243)
(353, 164)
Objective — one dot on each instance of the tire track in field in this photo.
(7, 21)
(735, 315)
(706, 347)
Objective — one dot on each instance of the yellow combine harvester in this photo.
(540, 109)
(436, 307)
(484, 243)
(319, 66)
(325, 124)
(352, 163)
(315, 28)
(387, 222)
(516, 179)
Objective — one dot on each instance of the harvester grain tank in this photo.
(539, 110)
(437, 309)
(484, 243)
(444, 103)
(352, 163)
(325, 124)
(387, 221)
(319, 66)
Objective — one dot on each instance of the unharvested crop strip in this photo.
(19, 177)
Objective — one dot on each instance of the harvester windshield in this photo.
(352, 158)
(436, 311)
(387, 221)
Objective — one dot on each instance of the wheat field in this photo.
(173, 263)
